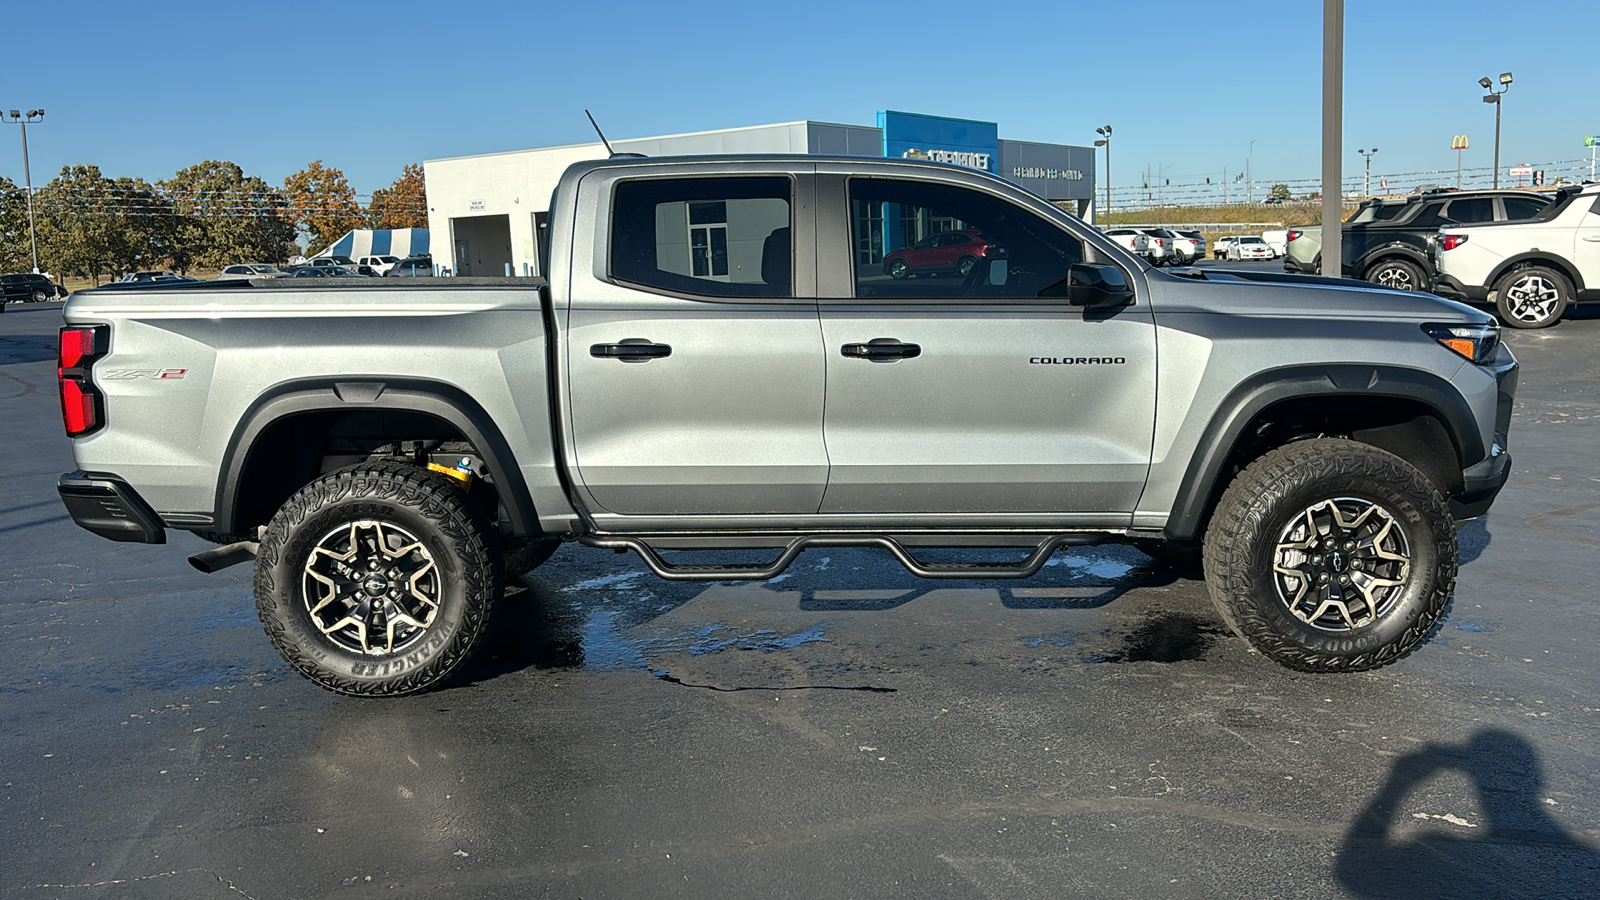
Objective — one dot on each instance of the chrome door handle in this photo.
(631, 350)
(881, 350)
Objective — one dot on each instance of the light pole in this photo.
(1249, 176)
(1105, 141)
(24, 119)
(1366, 181)
(1494, 97)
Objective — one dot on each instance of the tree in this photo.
(403, 204)
(74, 230)
(322, 203)
(15, 254)
(1281, 191)
(224, 217)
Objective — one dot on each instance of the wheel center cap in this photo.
(376, 584)
(1338, 561)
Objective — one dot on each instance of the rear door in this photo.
(983, 395)
(694, 354)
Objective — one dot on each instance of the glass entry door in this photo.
(708, 240)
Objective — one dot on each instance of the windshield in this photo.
(264, 270)
(1250, 240)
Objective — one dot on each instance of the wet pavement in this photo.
(844, 730)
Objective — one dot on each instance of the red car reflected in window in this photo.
(945, 253)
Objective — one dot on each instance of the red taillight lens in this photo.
(1452, 241)
(77, 350)
(77, 408)
(1295, 235)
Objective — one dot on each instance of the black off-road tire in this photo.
(1259, 506)
(1398, 275)
(453, 531)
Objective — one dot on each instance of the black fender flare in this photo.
(1396, 248)
(1256, 393)
(1540, 257)
(442, 401)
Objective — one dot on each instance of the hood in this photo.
(1284, 294)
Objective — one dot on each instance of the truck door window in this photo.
(893, 222)
(719, 237)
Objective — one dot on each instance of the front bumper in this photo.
(107, 506)
(1480, 492)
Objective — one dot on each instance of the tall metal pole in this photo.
(1108, 176)
(1332, 136)
(1250, 176)
(1497, 142)
(27, 179)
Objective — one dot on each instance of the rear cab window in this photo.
(716, 237)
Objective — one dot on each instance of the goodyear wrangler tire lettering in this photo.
(1329, 555)
(377, 579)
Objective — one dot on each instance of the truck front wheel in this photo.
(1329, 555)
(377, 579)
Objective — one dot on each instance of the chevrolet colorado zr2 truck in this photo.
(719, 361)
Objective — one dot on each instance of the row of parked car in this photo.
(336, 267)
(1529, 254)
(1160, 246)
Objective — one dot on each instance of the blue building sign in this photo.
(961, 142)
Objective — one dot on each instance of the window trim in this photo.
(610, 276)
(843, 185)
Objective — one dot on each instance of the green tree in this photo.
(403, 204)
(322, 203)
(222, 217)
(1280, 191)
(15, 255)
(74, 231)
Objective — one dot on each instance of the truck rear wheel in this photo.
(377, 579)
(1533, 297)
(1329, 555)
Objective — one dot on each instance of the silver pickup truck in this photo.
(730, 354)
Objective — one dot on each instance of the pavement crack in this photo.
(172, 874)
(673, 679)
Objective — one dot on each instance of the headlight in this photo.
(1474, 342)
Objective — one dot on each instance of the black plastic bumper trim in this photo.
(107, 506)
(1479, 494)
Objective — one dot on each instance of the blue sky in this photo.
(143, 89)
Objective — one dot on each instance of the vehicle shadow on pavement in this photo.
(1474, 538)
(26, 348)
(1394, 849)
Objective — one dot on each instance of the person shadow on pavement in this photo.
(1517, 850)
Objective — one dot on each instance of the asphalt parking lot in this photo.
(845, 730)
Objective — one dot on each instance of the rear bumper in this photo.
(1452, 288)
(107, 506)
(1290, 264)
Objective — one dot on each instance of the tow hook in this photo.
(218, 558)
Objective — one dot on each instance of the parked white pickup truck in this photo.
(1530, 270)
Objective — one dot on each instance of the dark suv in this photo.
(1386, 241)
(24, 287)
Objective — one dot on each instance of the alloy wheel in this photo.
(371, 587)
(1341, 563)
(1532, 298)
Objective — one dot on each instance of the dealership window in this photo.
(937, 240)
(721, 237)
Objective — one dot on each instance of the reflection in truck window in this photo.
(723, 237)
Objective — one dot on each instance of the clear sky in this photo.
(143, 89)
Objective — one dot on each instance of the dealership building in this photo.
(485, 212)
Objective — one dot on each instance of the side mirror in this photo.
(1097, 287)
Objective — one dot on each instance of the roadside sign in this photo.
(1459, 142)
(1592, 141)
(1523, 169)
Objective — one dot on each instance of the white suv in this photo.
(380, 265)
(1530, 270)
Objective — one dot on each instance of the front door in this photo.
(987, 393)
(463, 266)
(695, 364)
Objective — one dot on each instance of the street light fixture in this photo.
(1105, 133)
(17, 117)
(1366, 182)
(1494, 97)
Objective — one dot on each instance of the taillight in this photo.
(82, 409)
(1452, 241)
(1294, 235)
